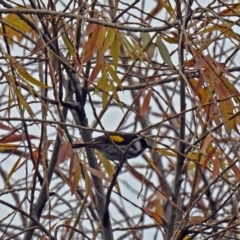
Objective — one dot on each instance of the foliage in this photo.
(167, 70)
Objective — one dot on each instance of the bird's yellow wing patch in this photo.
(116, 138)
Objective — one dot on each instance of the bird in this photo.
(117, 146)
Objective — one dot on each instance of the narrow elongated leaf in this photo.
(115, 51)
(22, 71)
(68, 44)
(114, 75)
(13, 170)
(94, 72)
(76, 179)
(145, 40)
(109, 39)
(93, 43)
(234, 167)
(164, 53)
(146, 103)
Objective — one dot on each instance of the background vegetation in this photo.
(168, 70)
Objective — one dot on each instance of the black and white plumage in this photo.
(127, 145)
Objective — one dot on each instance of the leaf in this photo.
(164, 53)
(22, 71)
(64, 152)
(68, 44)
(98, 174)
(216, 167)
(209, 157)
(94, 72)
(125, 45)
(109, 168)
(109, 39)
(105, 97)
(235, 169)
(139, 50)
(93, 43)
(155, 216)
(23, 102)
(226, 113)
(114, 76)
(146, 38)
(90, 28)
(146, 103)
(16, 138)
(155, 10)
(115, 51)
(67, 224)
(197, 219)
(206, 142)
(13, 170)
(165, 152)
(75, 179)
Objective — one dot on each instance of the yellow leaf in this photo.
(76, 178)
(109, 168)
(22, 71)
(125, 45)
(13, 170)
(68, 44)
(105, 97)
(155, 216)
(115, 51)
(109, 39)
(114, 76)
(24, 103)
(165, 152)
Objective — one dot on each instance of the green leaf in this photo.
(164, 53)
(146, 38)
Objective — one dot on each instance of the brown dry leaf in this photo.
(234, 167)
(5, 127)
(216, 166)
(196, 219)
(231, 9)
(146, 103)
(93, 43)
(206, 142)
(16, 138)
(209, 156)
(155, 10)
(139, 176)
(64, 152)
(155, 216)
(67, 224)
(94, 73)
(98, 174)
